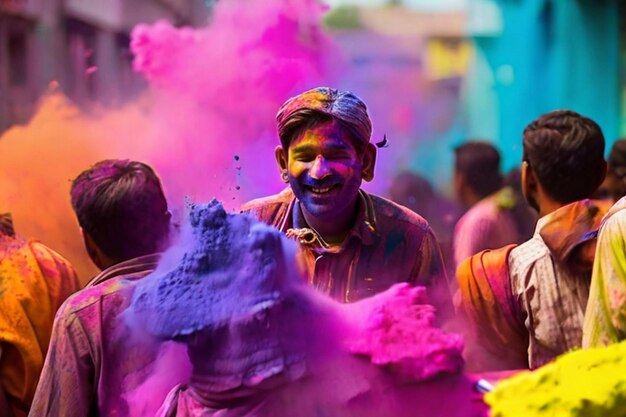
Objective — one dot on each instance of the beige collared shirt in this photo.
(552, 297)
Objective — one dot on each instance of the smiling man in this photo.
(354, 244)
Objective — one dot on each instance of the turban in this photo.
(341, 105)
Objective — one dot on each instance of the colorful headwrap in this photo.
(342, 105)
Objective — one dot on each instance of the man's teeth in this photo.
(319, 190)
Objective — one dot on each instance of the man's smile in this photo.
(321, 189)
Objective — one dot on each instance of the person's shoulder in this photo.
(93, 296)
(497, 257)
(486, 209)
(615, 218)
(617, 207)
(527, 254)
(52, 261)
(490, 263)
(387, 211)
(40, 249)
(39, 267)
(268, 203)
(616, 221)
(482, 217)
(612, 233)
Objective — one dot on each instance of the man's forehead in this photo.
(331, 138)
(314, 145)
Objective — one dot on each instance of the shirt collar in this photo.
(364, 227)
(565, 229)
(541, 222)
(128, 267)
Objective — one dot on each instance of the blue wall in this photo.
(543, 56)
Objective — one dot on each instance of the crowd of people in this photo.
(533, 268)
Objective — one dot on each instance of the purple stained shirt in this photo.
(95, 364)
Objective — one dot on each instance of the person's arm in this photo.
(495, 336)
(605, 317)
(66, 386)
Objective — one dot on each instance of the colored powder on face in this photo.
(399, 332)
(583, 383)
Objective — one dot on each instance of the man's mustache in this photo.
(326, 182)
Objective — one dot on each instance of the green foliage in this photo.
(343, 17)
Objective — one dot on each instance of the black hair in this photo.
(120, 204)
(566, 153)
(479, 163)
(307, 119)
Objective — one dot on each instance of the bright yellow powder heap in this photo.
(584, 383)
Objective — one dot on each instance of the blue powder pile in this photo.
(232, 267)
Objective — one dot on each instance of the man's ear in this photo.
(90, 247)
(528, 180)
(281, 158)
(606, 171)
(94, 252)
(369, 161)
(458, 182)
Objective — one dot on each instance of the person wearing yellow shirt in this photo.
(605, 316)
(34, 282)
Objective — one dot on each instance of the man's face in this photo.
(324, 169)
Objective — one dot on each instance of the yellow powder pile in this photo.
(584, 383)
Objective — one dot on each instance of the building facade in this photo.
(534, 56)
(81, 45)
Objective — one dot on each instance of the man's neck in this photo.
(548, 207)
(335, 228)
(470, 199)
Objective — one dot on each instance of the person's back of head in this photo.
(565, 152)
(617, 158)
(122, 210)
(477, 170)
(614, 185)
